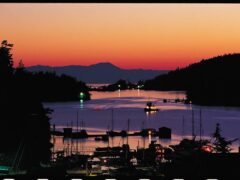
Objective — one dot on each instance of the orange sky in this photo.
(149, 36)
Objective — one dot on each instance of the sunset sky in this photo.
(148, 36)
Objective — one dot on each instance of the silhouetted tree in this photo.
(6, 61)
(52, 87)
(221, 145)
(24, 125)
(20, 66)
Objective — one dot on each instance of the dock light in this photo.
(82, 95)
(4, 168)
(207, 148)
(81, 101)
(119, 85)
(149, 132)
(138, 86)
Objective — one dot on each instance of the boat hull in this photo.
(150, 110)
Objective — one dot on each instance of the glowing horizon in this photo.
(130, 36)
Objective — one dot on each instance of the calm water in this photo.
(96, 115)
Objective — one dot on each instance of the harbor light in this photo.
(207, 148)
(81, 94)
(81, 103)
(4, 168)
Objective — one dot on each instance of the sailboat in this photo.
(112, 132)
(82, 133)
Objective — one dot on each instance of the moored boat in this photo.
(150, 107)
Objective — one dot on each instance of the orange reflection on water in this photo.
(147, 95)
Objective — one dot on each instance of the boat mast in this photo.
(71, 138)
(143, 125)
(128, 129)
(108, 131)
(183, 127)
(200, 124)
(193, 131)
(112, 120)
(67, 149)
(77, 130)
(53, 136)
(82, 124)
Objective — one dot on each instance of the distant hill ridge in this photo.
(213, 81)
(103, 72)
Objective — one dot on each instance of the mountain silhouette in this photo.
(103, 72)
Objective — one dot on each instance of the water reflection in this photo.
(88, 145)
(130, 105)
(81, 104)
(148, 95)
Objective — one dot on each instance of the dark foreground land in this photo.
(204, 166)
(188, 160)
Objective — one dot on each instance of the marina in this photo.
(119, 91)
(123, 112)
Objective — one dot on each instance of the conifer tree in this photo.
(221, 145)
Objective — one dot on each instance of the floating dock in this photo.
(163, 132)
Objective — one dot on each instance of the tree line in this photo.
(51, 87)
(212, 81)
(24, 122)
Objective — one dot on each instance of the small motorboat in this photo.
(98, 138)
(102, 138)
(150, 107)
(105, 138)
